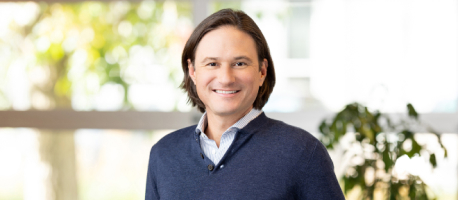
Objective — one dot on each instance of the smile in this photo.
(226, 91)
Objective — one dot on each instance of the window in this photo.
(124, 57)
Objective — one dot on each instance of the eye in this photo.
(212, 64)
(239, 64)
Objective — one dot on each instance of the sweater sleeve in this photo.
(318, 180)
(151, 187)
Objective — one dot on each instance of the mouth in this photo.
(226, 91)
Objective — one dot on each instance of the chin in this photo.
(229, 110)
(225, 110)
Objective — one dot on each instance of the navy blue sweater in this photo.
(268, 159)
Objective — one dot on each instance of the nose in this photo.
(226, 75)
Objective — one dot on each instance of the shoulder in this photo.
(285, 140)
(292, 135)
(177, 138)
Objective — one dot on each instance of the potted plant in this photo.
(381, 141)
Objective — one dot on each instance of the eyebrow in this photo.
(243, 58)
(206, 59)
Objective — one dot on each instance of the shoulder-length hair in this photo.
(240, 20)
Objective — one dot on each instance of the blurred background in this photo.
(87, 87)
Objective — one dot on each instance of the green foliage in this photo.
(78, 41)
(382, 142)
(218, 5)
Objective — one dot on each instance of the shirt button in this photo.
(221, 166)
(210, 167)
(201, 155)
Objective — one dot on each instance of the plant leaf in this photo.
(412, 190)
(386, 158)
(432, 160)
(416, 148)
(412, 112)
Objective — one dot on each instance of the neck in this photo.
(218, 124)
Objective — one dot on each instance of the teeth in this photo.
(226, 92)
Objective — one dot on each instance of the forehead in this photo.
(226, 42)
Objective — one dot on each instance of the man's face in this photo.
(226, 72)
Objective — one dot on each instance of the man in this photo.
(236, 152)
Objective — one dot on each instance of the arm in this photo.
(318, 180)
(151, 187)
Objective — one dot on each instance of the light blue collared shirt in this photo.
(209, 146)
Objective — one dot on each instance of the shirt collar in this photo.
(238, 125)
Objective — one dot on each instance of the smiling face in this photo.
(226, 72)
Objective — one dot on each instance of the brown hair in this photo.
(240, 20)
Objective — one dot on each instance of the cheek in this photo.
(202, 82)
(254, 79)
(252, 84)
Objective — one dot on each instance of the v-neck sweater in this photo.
(268, 159)
(213, 152)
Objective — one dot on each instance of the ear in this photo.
(263, 71)
(191, 71)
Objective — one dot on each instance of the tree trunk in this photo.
(57, 149)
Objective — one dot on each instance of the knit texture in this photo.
(213, 152)
(268, 159)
